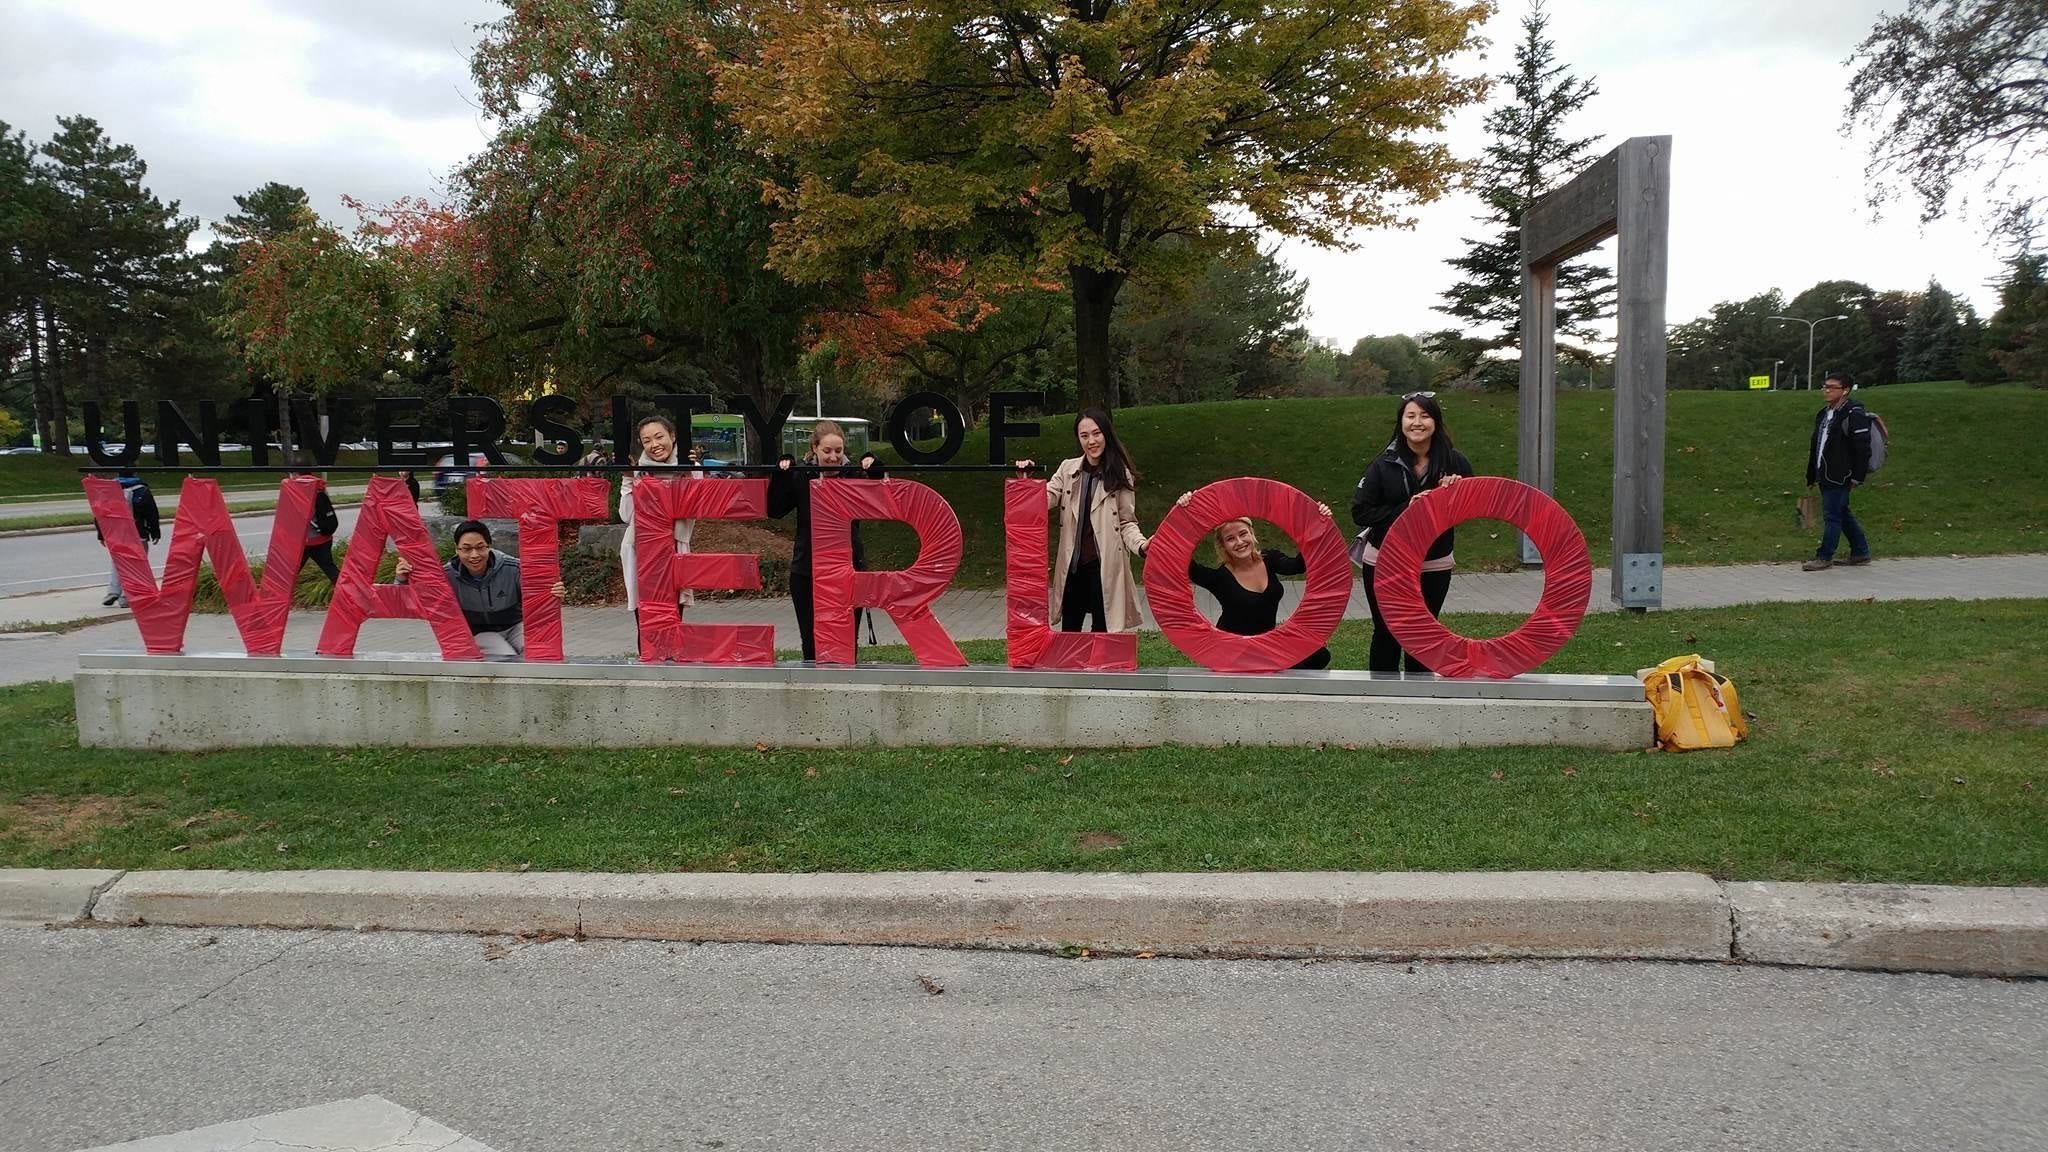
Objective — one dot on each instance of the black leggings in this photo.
(1082, 598)
(806, 622)
(322, 556)
(1386, 653)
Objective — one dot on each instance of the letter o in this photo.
(1172, 597)
(949, 414)
(1567, 578)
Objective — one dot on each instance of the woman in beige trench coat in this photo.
(1091, 575)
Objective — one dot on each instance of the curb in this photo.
(1357, 915)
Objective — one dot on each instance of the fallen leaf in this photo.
(1066, 760)
(1499, 775)
(810, 773)
(1956, 780)
(931, 987)
(735, 805)
(179, 847)
(1351, 747)
(678, 792)
(524, 867)
(1570, 771)
(1002, 748)
(284, 847)
(760, 747)
(1144, 956)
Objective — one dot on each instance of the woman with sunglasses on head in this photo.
(1091, 576)
(658, 449)
(1420, 459)
(789, 490)
(1247, 585)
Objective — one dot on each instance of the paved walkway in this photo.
(977, 614)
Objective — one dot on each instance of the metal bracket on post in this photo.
(1531, 558)
(1641, 580)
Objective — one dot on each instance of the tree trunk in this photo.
(59, 439)
(1094, 300)
(46, 429)
(750, 374)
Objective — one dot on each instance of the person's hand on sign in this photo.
(868, 460)
(1026, 465)
(404, 570)
(560, 591)
(1449, 478)
(1324, 509)
(785, 462)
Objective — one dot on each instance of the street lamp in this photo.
(1810, 326)
(1774, 374)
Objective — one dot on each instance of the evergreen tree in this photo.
(19, 225)
(1529, 156)
(1235, 331)
(1932, 345)
(119, 272)
(2016, 340)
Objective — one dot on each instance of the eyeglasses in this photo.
(472, 549)
(1418, 396)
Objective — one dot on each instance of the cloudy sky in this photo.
(371, 98)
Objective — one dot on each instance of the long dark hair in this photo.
(1118, 470)
(1439, 442)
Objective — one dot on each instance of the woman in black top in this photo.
(791, 491)
(1248, 583)
(1419, 459)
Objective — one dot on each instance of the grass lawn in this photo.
(84, 519)
(1899, 742)
(1965, 473)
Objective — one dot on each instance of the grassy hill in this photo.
(1967, 472)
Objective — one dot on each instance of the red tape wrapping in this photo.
(658, 502)
(1028, 596)
(1172, 597)
(540, 505)
(1567, 578)
(389, 513)
(906, 595)
(203, 528)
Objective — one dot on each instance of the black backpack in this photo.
(147, 521)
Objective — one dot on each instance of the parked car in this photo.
(447, 475)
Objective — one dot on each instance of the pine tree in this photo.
(2016, 340)
(1529, 156)
(1932, 346)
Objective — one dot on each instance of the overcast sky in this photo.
(371, 98)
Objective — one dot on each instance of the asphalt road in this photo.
(166, 502)
(77, 559)
(112, 1035)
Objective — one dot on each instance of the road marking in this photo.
(364, 1124)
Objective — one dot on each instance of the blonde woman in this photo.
(1247, 584)
(789, 490)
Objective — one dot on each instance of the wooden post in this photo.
(1536, 463)
(1643, 219)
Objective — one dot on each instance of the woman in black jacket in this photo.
(1247, 584)
(790, 490)
(1419, 459)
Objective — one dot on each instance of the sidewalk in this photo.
(977, 614)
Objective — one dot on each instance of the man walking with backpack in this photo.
(1837, 461)
(143, 505)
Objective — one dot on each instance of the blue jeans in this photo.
(1836, 519)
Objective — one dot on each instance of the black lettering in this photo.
(624, 446)
(386, 414)
(172, 428)
(256, 417)
(476, 424)
(679, 407)
(1000, 429)
(770, 431)
(306, 424)
(95, 446)
(899, 428)
(541, 417)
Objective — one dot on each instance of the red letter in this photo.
(540, 506)
(663, 573)
(388, 513)
(1033, 643)
(203, 526)
(906, 595)
(1172, 598)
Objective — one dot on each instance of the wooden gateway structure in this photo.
(1626, 193)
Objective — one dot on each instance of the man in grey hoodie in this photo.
(486, 584)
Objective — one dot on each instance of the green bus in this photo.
(721, 437)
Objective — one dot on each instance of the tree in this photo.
(20, 227)
(1066, 139)
(1405, 366)
(310, 309)
(1953, 90)
(2016, 339)
(1932, 347)
(114, 272)
(613, 229)
(1528, 156)
(1236, 331)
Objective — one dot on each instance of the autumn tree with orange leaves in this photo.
(1066, 139)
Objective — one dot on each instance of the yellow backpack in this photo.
(1695, 706)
